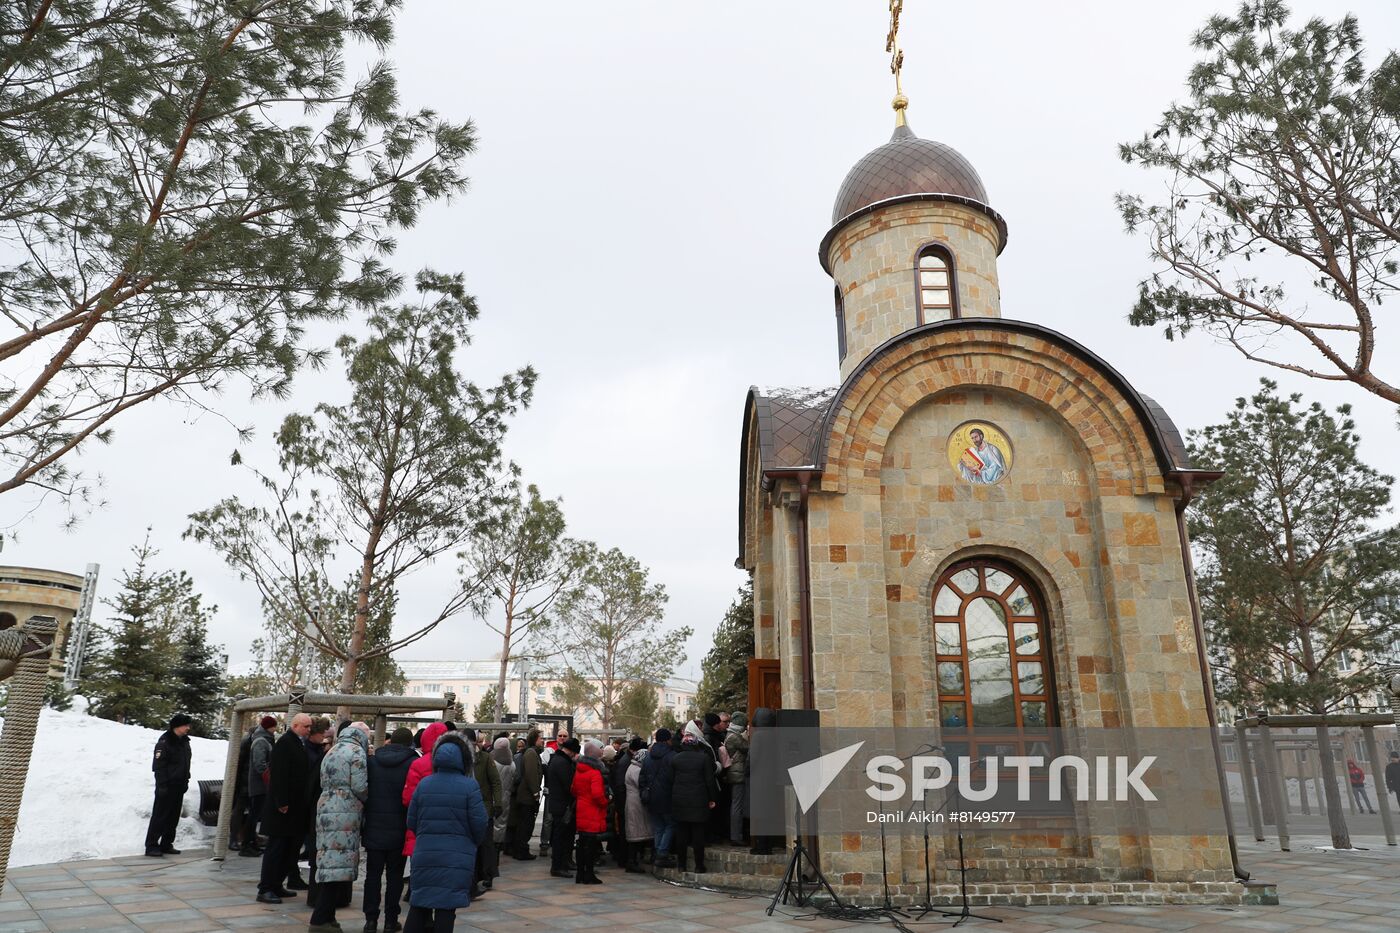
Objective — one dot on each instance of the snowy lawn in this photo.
(90, 790)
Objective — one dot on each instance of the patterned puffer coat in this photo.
(344, 787)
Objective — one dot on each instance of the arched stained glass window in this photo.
(993, 666)
(937, 289)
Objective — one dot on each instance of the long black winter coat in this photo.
(290, 780)
(695, 785)
(240, 778)
(171, 763)
(385, 814)
(617, 779)
(559, 781)
(657, 778)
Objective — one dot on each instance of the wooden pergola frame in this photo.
(1272, 778)
(299, 700)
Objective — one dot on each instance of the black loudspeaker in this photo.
(781, 739)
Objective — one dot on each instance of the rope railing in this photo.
(29, 649)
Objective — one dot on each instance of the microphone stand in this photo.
(966, 912)
(884, 866)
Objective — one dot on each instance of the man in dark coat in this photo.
(171, 766)
(694, 791)
(617, 783)
(286, 814)
(526, 805)
(318, 743)
(655, 786)
(559, 782)
(259, 754)
(384, 828)
(243, 832)
(1392, 775)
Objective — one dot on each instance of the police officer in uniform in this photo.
(171, 766)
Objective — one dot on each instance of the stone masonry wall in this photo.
(872, 261)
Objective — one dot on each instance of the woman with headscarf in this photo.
(636, 821)
(693, 795)
(448, 818)
(505, 767)
(344, 788)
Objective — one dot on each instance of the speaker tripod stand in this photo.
(793, 884)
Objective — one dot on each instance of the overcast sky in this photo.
(650, 188)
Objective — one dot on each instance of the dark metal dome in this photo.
(907, 165)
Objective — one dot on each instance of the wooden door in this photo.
(765, 684)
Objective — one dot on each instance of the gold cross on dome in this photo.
(901, 103)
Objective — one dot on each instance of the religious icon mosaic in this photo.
(980, 452)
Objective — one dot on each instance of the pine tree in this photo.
(724, 677)
(486, 710)
(1290, 580)
(198, 679)
(127, 678)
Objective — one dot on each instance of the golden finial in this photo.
(901, 103)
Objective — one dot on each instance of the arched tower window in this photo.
(993, 655)
(7, 620)
(840, 325)
(937, 287)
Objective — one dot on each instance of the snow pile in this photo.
(90, 790)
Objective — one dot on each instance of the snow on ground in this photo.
(90, 790)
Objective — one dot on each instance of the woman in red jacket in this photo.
(590, 812)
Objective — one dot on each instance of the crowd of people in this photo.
(434, 810)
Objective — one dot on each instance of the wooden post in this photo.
(1274, 783)
(1302, 781)
(1251, 788)
(1368, 735)
(226, 795)
(1317, 781)
(381, 726)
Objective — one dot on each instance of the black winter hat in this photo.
(178, 720)
(663, 734)
(402, 736)
(637, 743)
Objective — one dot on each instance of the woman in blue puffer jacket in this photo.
(449, 818)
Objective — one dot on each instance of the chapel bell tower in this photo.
(913, 241)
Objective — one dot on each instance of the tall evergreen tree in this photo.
(407, 470)
(198, 675)
(127, 677)
(724, 673)
(187, 187)
(1277, 229)
(154, 658)
(1294, 580)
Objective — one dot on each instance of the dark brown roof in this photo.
(907, 165)
(908, 168)
(786, 420)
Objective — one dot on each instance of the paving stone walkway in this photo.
(1319, 890)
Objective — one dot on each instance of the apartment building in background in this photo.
(470, 680)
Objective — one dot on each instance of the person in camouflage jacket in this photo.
(344, 788)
